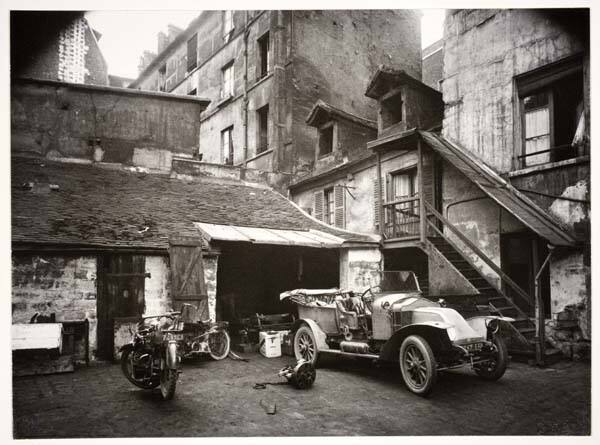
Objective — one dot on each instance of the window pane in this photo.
(537, 123)
(535, 101)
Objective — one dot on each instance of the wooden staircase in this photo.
(489, 294)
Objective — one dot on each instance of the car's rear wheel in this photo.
(496, 366)
(417, 364)
(305, 345)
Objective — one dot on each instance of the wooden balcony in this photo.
(402, 218)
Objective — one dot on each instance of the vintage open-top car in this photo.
(423, 335)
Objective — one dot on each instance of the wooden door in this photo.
(187, 276)
(121, 282)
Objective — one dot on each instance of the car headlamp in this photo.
(451, 333)
(493, 326)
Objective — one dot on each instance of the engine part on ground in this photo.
(354, 346)
(302, 375)
(270, 408)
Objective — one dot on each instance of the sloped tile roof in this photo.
(94, 206)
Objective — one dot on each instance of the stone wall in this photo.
(360, 268)
(63, 120)
(335, 53)
(64, 285)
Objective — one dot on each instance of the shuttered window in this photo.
(376, 203)
(329, 206)
(318, 199)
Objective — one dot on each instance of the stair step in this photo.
(526, 330)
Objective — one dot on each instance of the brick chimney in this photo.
(163, 41)
(173, 31)
(145, 59)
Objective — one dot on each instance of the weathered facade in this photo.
(264, 71)
(522, 106)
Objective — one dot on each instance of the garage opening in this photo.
(409, 259)
(250, 277)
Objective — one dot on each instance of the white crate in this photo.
(269, 344)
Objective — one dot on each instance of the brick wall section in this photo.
(61, 284)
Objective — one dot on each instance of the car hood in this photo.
(462, 331)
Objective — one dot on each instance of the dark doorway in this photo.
(522, 254)
(120, 294)
(409, 258)
(251, 277)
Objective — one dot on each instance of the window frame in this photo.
(189, 66)
(330, 125)
(224, 90)
(329, 206)
(227, 158)
(543, 79)
(397, 94)
(263, 66)
(262, 134)
(411, 170)
(228, 30)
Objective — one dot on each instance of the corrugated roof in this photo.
(95, 206)
(501, 191)
(259, 235)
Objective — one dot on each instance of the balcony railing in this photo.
(401, 218)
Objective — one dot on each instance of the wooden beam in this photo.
(422, 215)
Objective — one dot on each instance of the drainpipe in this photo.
(540, 340)
(245, 100)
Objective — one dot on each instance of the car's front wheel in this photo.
(418, 365)
(496, 366)
(305, 345)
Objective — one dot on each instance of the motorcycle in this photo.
(203, 337)
(153, 357)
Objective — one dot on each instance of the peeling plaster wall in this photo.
(59, 120)
(157, 295)
(483, 51)
(570, 281)
(480, 220)
(360, 268)
(61, 284)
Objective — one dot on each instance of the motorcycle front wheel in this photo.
(168, 381)
(127, 366)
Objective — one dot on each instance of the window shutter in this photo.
(376, 194)
(338, 203)
(318, 198)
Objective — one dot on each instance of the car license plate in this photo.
(473, 347)
(176, 337)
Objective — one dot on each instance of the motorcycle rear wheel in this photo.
(127, 368)
(218, 345)
(168, 382)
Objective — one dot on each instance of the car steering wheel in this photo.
(368, 301)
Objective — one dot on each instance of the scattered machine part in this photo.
(302, 375)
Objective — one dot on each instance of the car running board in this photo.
(348, 354)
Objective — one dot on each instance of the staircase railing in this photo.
(505, 278)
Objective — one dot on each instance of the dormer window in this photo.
(326, 139)
(391, 110)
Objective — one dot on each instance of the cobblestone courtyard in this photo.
(348, 398)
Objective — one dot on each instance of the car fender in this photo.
(435, 333)
(320, 336)
(479, 323)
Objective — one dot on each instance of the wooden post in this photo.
(540, 325)
(380, 204)
(422, 216)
